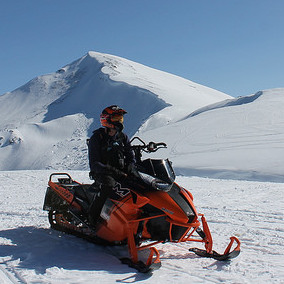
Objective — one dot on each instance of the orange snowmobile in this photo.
(143, 211)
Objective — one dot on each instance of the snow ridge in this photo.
(230, 102)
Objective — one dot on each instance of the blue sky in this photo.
(234, 46)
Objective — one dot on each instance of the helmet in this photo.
(112, 117)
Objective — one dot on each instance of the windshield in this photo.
(161, 169)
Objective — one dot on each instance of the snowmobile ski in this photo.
(140, 266)
(148, 259)
(227, 255)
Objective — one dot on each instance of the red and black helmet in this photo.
(112, 117)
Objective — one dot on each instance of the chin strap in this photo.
(119, 127)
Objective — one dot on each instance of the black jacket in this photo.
(109, 151)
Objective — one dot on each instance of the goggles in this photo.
(117, 118)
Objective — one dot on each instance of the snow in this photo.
(30, 252)
(227, 151)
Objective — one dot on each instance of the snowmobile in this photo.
(143, 210)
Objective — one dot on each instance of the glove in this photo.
(119, 175)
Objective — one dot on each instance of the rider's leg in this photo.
(107, 184)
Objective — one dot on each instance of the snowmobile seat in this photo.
(86, 192)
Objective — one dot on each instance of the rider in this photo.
(110, 157)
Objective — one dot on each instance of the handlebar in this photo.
(60, 174)
(148, 148)
(153, 147)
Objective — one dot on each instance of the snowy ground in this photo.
(30, 252)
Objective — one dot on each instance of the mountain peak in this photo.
(76, 95)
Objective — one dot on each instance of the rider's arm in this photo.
(128, 152)
(95, 158)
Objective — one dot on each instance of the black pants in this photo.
(107, 185)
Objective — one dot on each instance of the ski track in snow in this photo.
(30, 252)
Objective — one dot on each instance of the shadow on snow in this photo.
(39, 249)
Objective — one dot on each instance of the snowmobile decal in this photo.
(120, 190)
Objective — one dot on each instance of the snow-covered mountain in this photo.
(44, 124)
